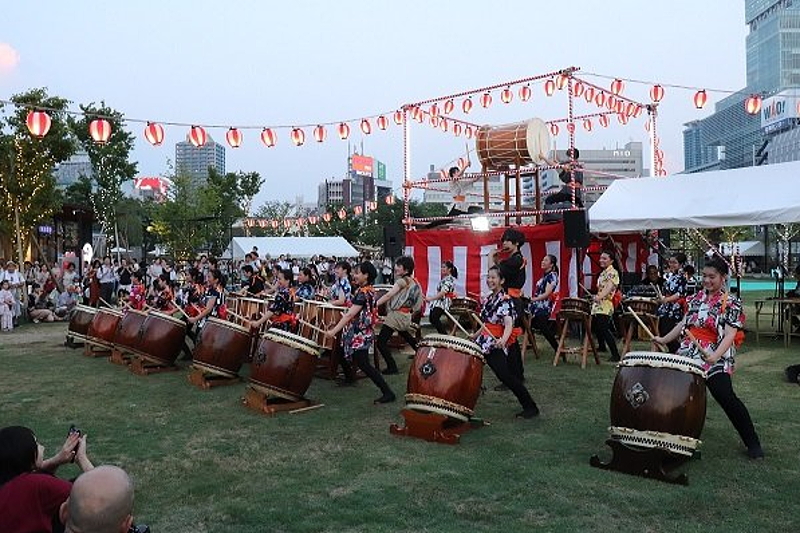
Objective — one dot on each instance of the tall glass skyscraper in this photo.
(193, 161)
(730, 138)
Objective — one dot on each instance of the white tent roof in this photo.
(740, 197)
(746, 248)
(293, 246)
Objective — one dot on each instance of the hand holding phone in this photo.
(75, 433)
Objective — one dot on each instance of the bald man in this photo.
(101, 501)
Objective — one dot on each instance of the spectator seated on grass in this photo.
(101, 501)
(30, 494)
(40, 307)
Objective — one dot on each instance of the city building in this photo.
(730, 138)
(439, 193)
(195, 161)
(365, 182)
(67, 172)
(151, 187)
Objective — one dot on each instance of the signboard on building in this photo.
(361, 165)
(381, 170)
(780, 112)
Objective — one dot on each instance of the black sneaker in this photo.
(530, 412)
(755, 452)
(386, 398)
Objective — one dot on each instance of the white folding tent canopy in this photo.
(300, 247)
(768, 194)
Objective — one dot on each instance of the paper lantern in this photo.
(466, 105)
(320, 133)
(287, 223)
(637, 111)
(600, 99)
(506, 95)
(611, 102)
(525, 93)
(234, 137)
(298, 136)
(268, 137)
(416, 113)
(549, 87)
(434, 110)
(38, 123)
(197, 136)
(457, 129)
(620, 106)
(587, 124)
(578, 88)
(434, 121)
(617, 86)
(262, 223)
(274, 224)
(603, 120)
(390, 200)
(443, 125)
(382, 122)
(630, 109)
(656, 93)
(486, 99)
(344, 130)
(373, 205)
(100, 130)
(571, 127)
(443, 174)
(449, 105)
(154, 133)
(398, 117)
(326, 217)
(313, 220)
(468, 132)
(700, 99)
(420, 118)
(554, 129)
(623, 119)
(342, 213)
(752, 105)
(561, 81)
(589, 94)
(366, 127)
(357, 210)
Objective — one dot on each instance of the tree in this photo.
(220, 199)
(174, 223)
(79, 193)
(272, 210)
(110, 161)
(27, 186)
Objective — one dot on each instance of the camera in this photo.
(73, 430)
(141, 528)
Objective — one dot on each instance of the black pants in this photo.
(665, 325)
(383, 344)
(544, 325)
(721, 388)
(454, 212)
(361, 359)
(498, 362)
(436, 320)
(601, 325)
(107, 292)
(563, 196)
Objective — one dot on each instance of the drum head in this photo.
(663, 360)
(538, 140)
(290, 339)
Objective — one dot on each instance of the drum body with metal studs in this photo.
(283, 364)
(221, 347)
(79, 322)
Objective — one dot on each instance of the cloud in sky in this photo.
(9, 57)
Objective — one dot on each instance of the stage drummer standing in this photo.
(498, 314)
(711, 331)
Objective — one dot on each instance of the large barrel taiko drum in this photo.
(659, 401)
(221, 348)
(284, 364)
(329, 316)
(641, 305)
(103, 328)
(575, 308)
(129, 332)
(517, 144)
(380, 290)
(162, 338)
(79, 322)
(445, 377)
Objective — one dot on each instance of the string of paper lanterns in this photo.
(312, 220)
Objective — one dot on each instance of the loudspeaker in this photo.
(393, 241)
(576, 228)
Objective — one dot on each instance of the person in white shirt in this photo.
(459, 189)
(108, 280)
(15, 284)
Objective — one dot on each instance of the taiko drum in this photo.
(103, 328)
(162, 338)
(79, 322)
(284, 364)
(221, 348)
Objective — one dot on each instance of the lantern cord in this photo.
(670, 85)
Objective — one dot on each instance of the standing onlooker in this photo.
(108, 279)
(124, 275)
(6, 307)
(15, 284)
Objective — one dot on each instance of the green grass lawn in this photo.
(203, 462)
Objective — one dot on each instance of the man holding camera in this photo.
(101, 501)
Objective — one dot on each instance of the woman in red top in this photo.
(30, 495)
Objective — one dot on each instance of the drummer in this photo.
(673, 298)
(213, 298)
(281, 310)
(341, 290)
(137, 295)
(253, 284)
(305, 287)
(711, 331)
(499, 314)
(404, 299)
(541, 306)
(165, 299)
(359, 328)
(512, 269)
(445, 292)
(603, 305)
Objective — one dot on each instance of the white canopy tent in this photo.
(740, 197)
(300, 247)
